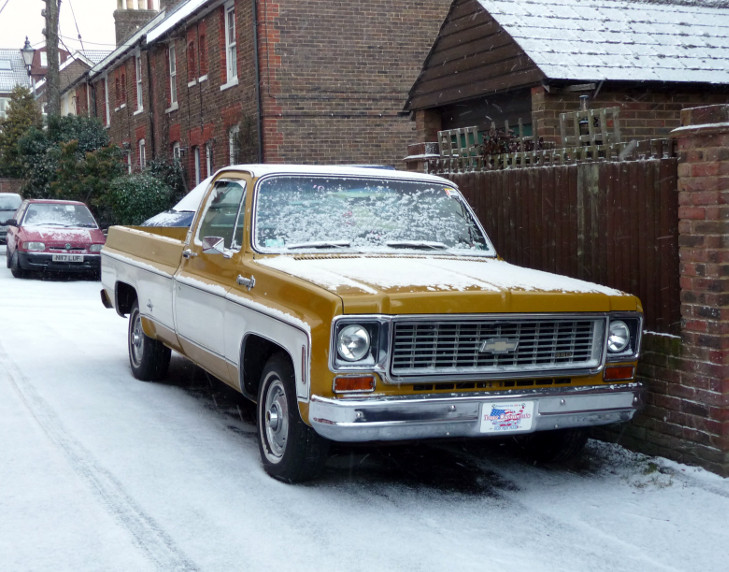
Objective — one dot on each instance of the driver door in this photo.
(207, 273)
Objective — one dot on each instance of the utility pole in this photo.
(53, 80)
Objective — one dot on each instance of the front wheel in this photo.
(14, 265)
(290, 450)
(149, 358)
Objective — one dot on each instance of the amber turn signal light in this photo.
(619, 373)
(360, 384)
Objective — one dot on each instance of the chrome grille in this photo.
(497, 346)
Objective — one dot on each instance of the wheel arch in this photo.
(255, 351)
(125, 296)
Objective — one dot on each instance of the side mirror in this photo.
(213, 245)
(11, 222)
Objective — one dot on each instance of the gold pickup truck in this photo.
(360, 304)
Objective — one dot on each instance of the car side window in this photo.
(223, 216)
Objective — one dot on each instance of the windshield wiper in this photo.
(417, 244)
(319, 244)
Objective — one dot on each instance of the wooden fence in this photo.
(615, 223)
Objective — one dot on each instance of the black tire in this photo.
(14, 265)
(556, 446)
(291, 451)
(148, 358)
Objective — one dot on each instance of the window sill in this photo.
(192, 83)
(138, 111)
(174, 107)
(202, 78)
(232, 83)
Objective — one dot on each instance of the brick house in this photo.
(13, 72)
(215, 82)
(505, 60)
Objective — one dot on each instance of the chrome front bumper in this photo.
(449, 415)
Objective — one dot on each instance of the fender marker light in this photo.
(360, 384)
(619, 373)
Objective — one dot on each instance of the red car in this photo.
(54, 236)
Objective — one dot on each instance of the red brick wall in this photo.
(335, 96)
(10, 185)
(326, 97)
(687, 411)
(645, 113)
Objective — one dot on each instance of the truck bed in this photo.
(160, 246)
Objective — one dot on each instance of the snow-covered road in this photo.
(99, 471)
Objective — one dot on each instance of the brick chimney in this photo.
(130, 15)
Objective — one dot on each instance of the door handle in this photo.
(187, 253)
(247, 282)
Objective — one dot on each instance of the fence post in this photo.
(701, 386)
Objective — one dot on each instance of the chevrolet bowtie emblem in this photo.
(498, 346)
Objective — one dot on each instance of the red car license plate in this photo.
(67, 258)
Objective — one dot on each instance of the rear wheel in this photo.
(555, 446)
(290, 450)
(148, 358)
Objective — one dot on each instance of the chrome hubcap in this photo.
(137, 340)
(275, 421)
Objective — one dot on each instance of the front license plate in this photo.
(67, 258)
(507, 417)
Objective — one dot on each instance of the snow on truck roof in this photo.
(260, 170)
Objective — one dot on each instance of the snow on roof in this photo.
(182, 11)
(264, 169)
(94, 56)
(129, 44)
(619, 40)
(12, 70)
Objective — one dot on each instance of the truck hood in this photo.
(401, 284)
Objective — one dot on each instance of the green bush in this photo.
(132, 199)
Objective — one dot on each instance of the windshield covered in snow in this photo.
(306, 213)
(58, 214)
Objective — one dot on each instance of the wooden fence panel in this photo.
(615, 223)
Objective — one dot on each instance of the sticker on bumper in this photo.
(507, 417)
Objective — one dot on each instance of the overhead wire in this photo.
(73, 14)
(3, 6)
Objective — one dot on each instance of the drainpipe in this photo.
(143, 48)
(257, 65)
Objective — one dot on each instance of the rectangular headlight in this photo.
(33, 246)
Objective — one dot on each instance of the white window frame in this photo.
(196, 160)
(138, 73)
(107, 119)
(173, 75)
(233, 149)
(208, 159)
(176, 151)
(142, 145)
(231, 54)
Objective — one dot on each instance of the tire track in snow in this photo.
(147, 534)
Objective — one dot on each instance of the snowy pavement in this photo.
(99, 471)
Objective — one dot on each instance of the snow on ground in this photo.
(99, 471)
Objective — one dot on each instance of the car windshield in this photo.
(59, 214)
(10, 203)
(298, 213)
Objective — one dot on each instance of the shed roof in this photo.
(620, 40)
